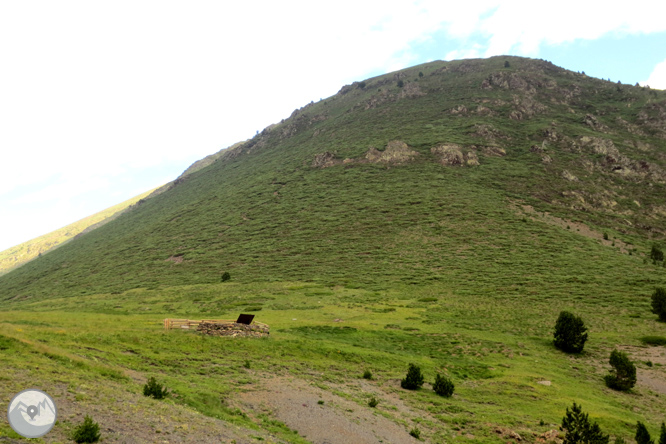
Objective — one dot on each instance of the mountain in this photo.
(19, 254)
(442, 216)
(363, 179)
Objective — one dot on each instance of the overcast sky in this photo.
(100, 101)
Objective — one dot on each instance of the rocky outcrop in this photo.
(396, 152)
(325, 159)
(594, 123)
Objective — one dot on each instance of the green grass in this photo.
(654, 340)
(495, 349)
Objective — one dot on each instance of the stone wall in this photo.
(233, 329)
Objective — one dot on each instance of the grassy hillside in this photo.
(442, 215)
(265, 209)
(18, 255)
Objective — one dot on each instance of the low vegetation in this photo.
(86, 432)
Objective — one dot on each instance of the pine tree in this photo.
(579, 430)
(623, 375)
(659, 303)
(443, 386)
(570, 333)
(414, 378)
(87, 432)
(662, 435)
(642, 434)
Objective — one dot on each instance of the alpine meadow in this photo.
(438, 219)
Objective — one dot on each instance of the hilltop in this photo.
(442, 215)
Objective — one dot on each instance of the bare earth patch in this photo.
(575, 227)
(335, 421)
(124, 417)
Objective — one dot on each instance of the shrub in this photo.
(662, 435)
(620, 440)
(367, 374)
(570, 333)
(623, 375)
(401, 83)
(225, 276)
(86, 432)
(656, 254)
(361, 84)
(605, 236)
(420, 73)
(578, 428)
(642, 434)
(659, 303)
(414, 378)
(373, 402)
(443, 386)
(152, 388)
(247, 364)
(507, 64)
(415, 432)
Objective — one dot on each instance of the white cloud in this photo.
(518, 27)
(658, 77)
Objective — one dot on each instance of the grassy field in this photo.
(495, 347)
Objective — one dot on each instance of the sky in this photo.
(101, 101)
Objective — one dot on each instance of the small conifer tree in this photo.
(401, 83)
(570, 333)
(656, 254)
(225, 276)
(86, 432)
(414, 378)
(507, 64)
(623, 375)
(662, 435)
(580, 430)
(443, 386)
(154, 389)
(642, 434)
(659, 303)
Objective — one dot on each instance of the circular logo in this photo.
(32, 413)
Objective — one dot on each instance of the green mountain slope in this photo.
(443, 215)
(377, 182)
(19, 254)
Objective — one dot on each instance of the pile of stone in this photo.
(233, 329)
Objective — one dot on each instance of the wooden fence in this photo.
(187, 324)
